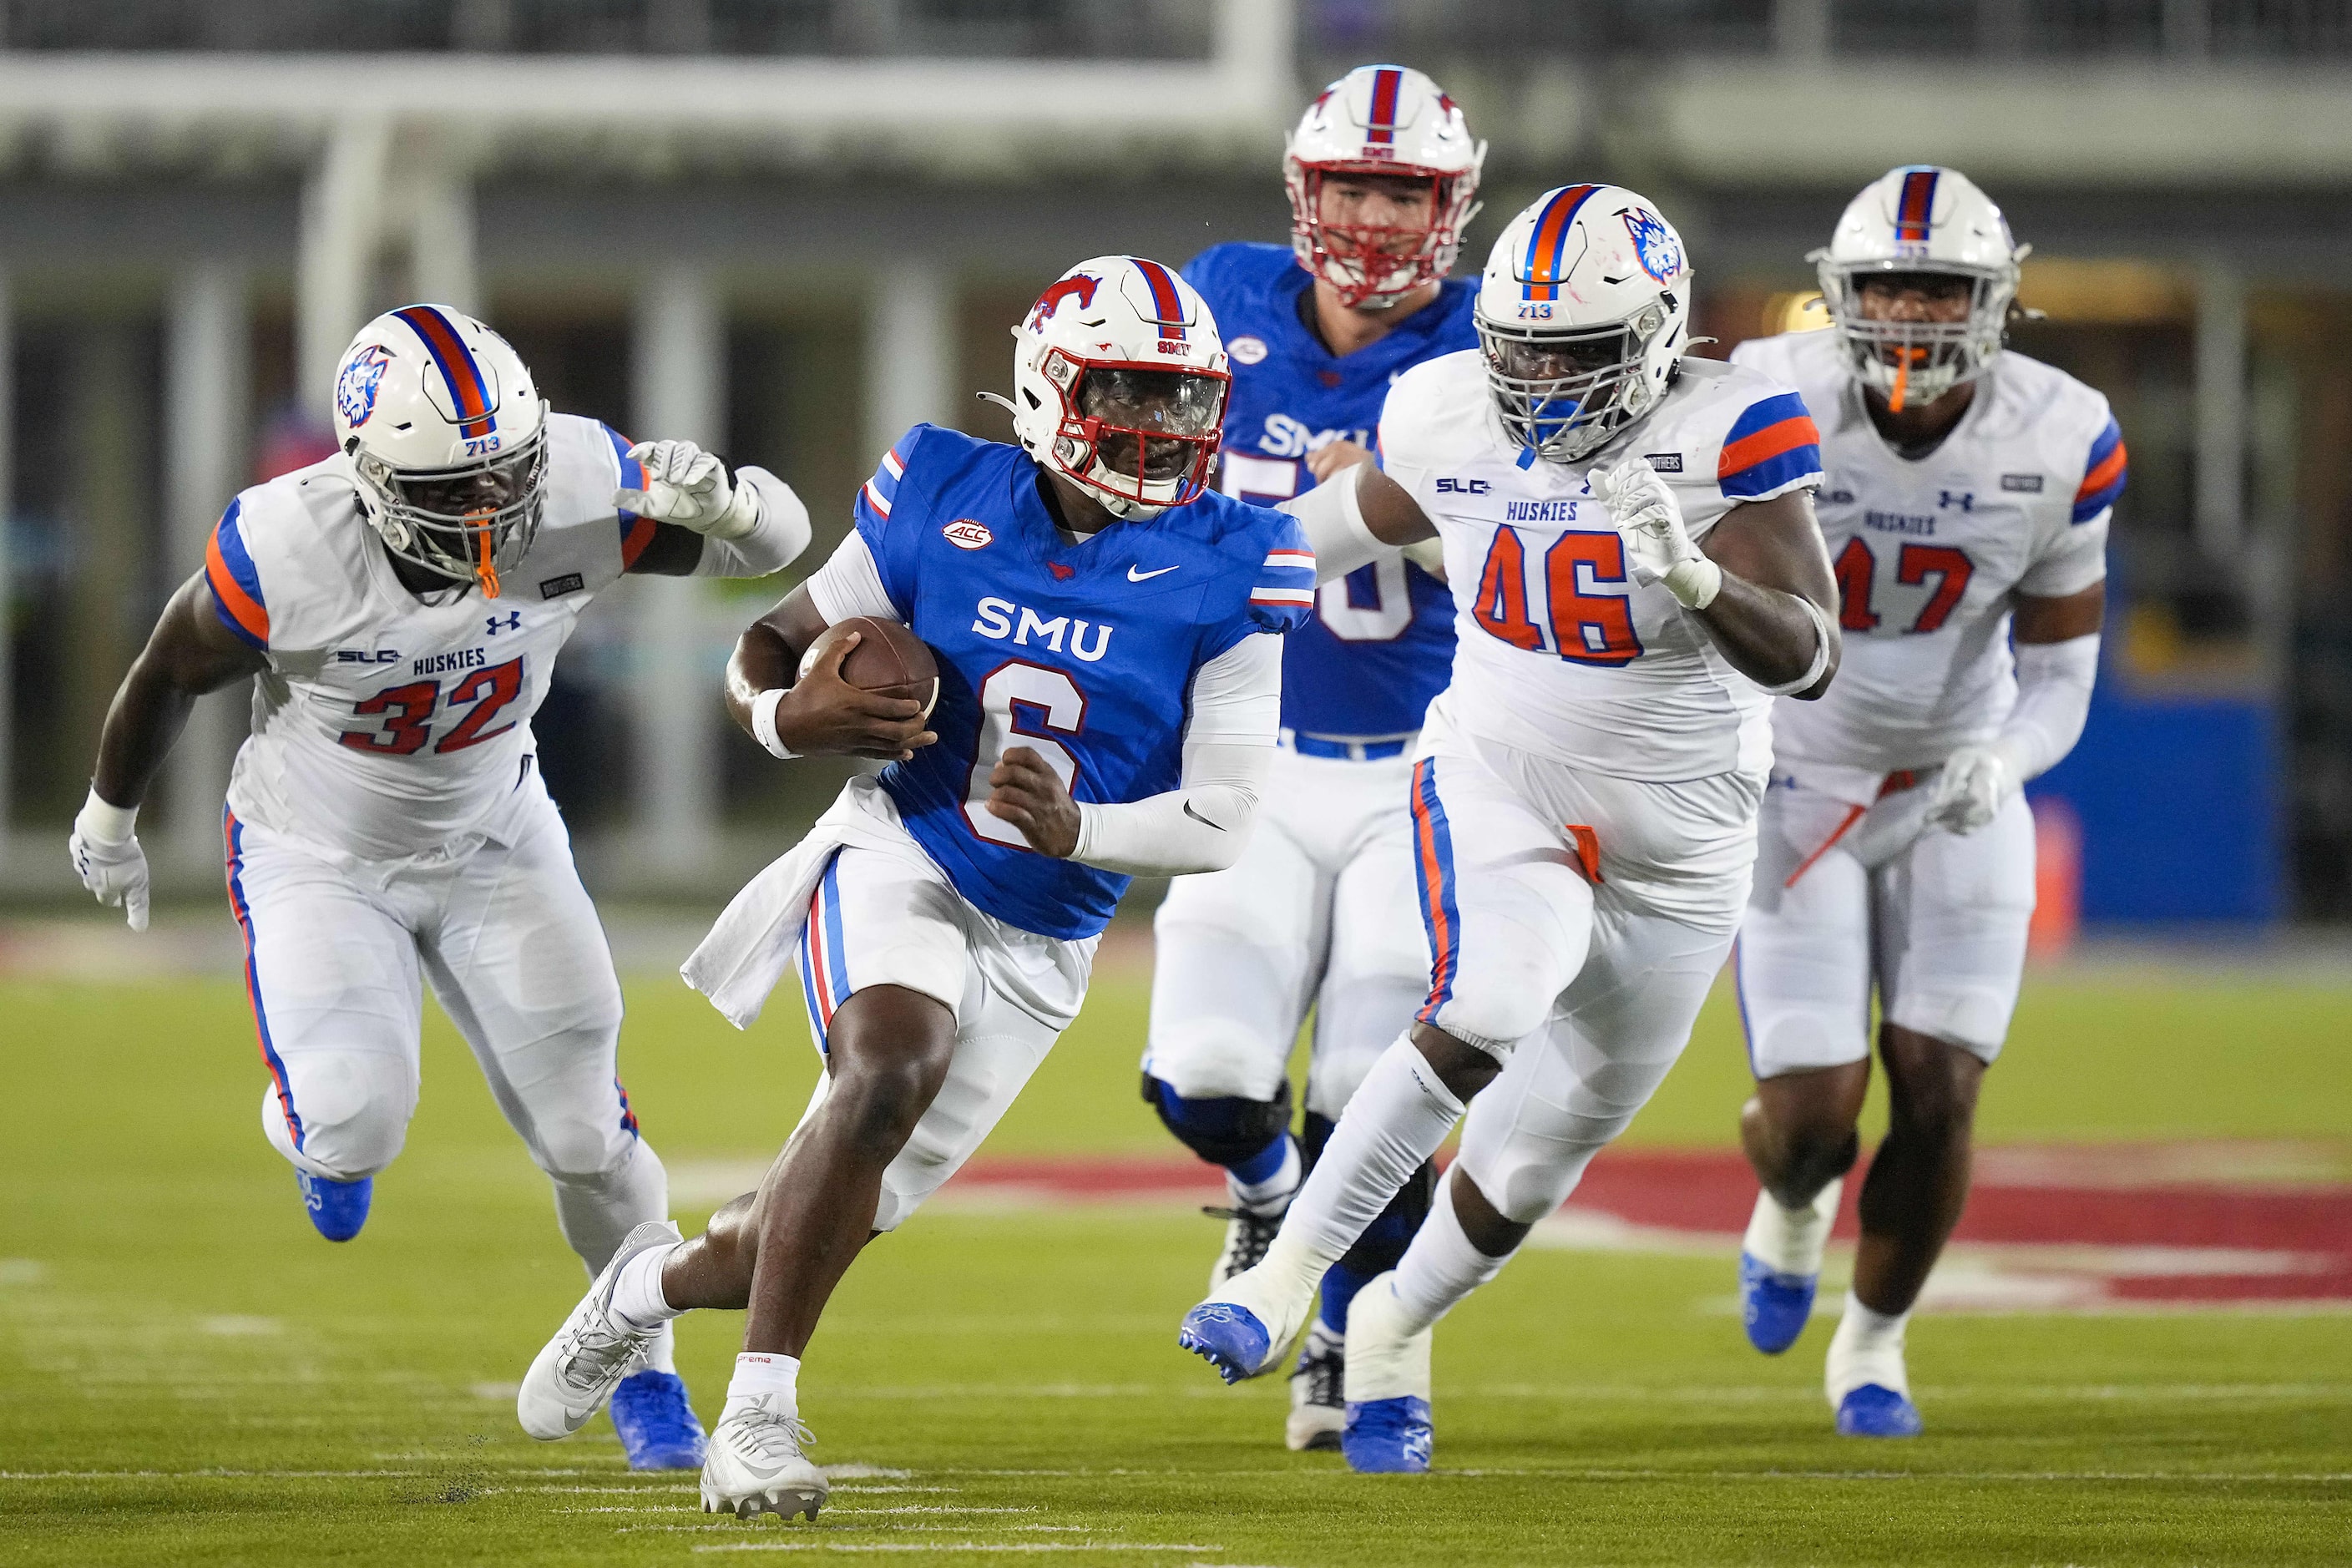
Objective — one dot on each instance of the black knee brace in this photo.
(1225, 1131)
(1382, 1244)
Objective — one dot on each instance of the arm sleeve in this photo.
(1204, 823)
(1772, 448)
(775, 540)
(848, 586)
(1332, 517)
(2053, 698)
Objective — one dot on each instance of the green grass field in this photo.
(189, 1375)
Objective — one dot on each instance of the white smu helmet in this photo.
(1909, 221)
(448, 436)
(1582, 315)
(1118, 385)
(1388, 121)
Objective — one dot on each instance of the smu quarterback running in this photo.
(400, 605)
(1317, 914)
(1966, 507)
(1634, 557)
(1109, 683)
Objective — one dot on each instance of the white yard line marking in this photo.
(959, 1546)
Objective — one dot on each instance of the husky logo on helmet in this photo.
(1077, 286)
(355, 388)
(1654, 245)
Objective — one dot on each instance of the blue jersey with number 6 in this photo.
(1380, 643)
(1082, 652)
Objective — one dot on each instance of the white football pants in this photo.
(1317, 912)
(499, 925)
(1578, 921)
(1938, 926)
(892, 918)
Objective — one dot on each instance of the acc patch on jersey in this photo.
(968, 533)
(1246, 350)
(355, 394)
(1654, 245)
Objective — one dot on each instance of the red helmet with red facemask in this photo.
(1383, 121)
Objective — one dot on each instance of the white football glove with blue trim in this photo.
(690, 487)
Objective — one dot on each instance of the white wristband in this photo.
(1821, 651)
(103, 821)
(763, 723)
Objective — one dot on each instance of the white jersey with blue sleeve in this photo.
(1085, 652)
(1562, 653)
(1931, 551)
(384, 724)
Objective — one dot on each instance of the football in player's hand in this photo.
(889, 660)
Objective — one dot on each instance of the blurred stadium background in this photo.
(790, 228)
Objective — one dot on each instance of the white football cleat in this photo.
(1246, 1328)
(576, 1373)
(756, 1464)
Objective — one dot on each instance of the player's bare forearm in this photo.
(820, 713)
(1391, 512)
(1773, 556)
(188, 654)
(2038, 620)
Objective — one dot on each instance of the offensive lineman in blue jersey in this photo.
(1320, 912)
(1085, 596)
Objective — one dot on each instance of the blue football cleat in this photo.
(1228, 1337)
(657, 1426)
(1773, 1305)
(1875, 1410)
(1388, 1436)
(337, 1208)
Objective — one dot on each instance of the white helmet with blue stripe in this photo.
(448, 437)
(1119, 383)
(1909, 224)
(1583, 311)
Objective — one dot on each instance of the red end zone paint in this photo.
(2131, 1224)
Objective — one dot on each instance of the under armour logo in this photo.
(1965, 499)
(511, 621)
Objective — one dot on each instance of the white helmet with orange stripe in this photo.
(1388, 122)
(1929, 233)
(447, 436)
(1582, 315)
(1118, 385)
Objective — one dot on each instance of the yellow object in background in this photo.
(1798, 312)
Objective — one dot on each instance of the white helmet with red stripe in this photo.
(448, 437)
(1119, 383)
(1387, 120)
(1909, 222)
(1582, 315)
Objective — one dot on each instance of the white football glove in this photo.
(1650, 520)
(107, 856)
(1976, 783)
(689, 487)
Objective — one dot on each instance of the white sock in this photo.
(637, 1299)
(758, 1376)
(1789, 1241)
(661, 1354)
(1441, 1266)
(1866, 1348)
(1397, 1119)
(1273, 1194)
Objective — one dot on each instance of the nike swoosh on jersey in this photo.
(1134, 576)
(1188, 805)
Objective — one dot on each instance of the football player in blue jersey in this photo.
(1320, 912)
(1109, 683)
